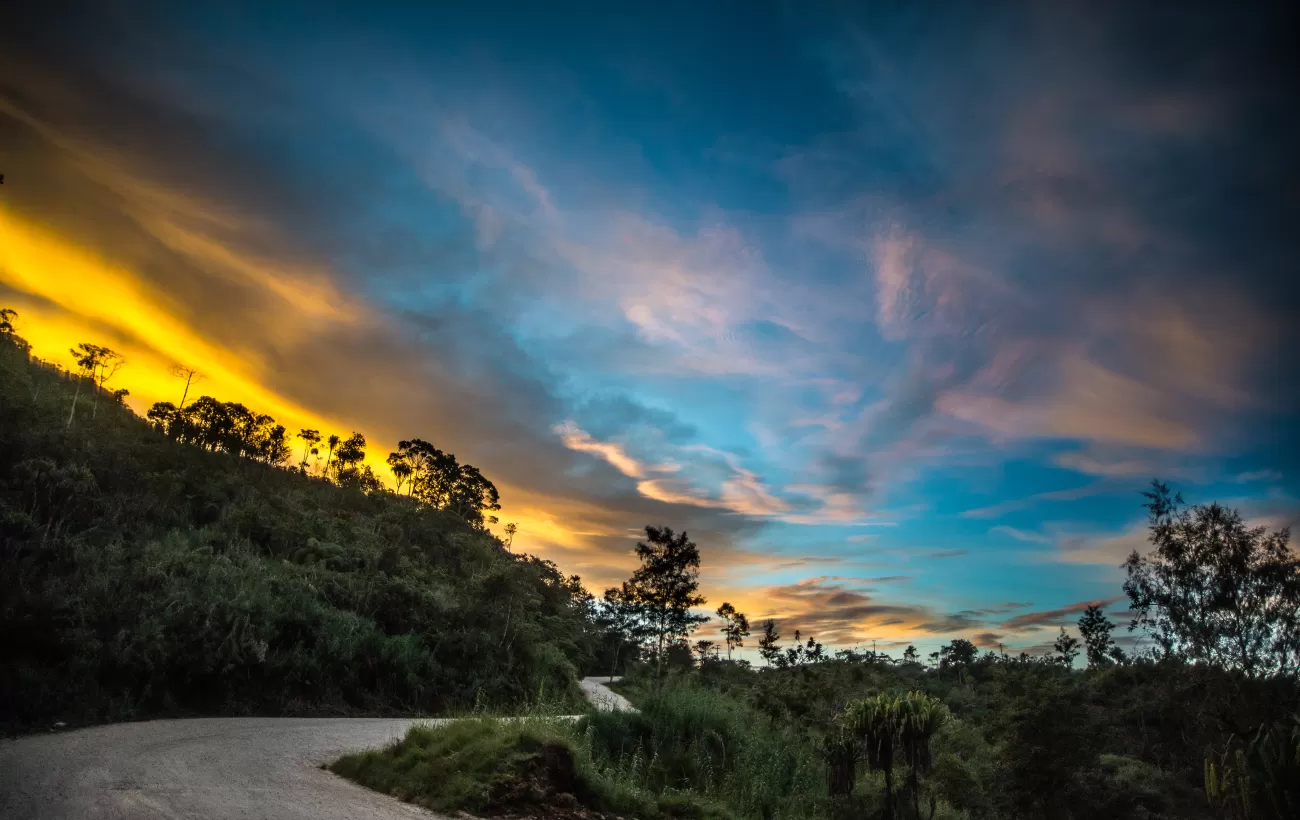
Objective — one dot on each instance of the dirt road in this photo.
(202, 769)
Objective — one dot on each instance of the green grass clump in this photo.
(690, 753)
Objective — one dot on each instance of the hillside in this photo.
(143, 576)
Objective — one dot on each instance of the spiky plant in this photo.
(1263, 778)
(842, 752)
(874, 721)
(919, 718)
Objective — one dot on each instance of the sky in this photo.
(894, 308)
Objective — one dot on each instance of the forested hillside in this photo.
(173, 568)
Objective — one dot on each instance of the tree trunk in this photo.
(889, 793)
(75, 395)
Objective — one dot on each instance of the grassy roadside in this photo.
(689, 753)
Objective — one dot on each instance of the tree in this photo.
(421, 457)
(1067, 648)
(1214, 590)
(310, 438)
(190, 376)
(910, 655)
(333, 442)
(666, 587)
(472, 496)
(511, 529)
(769, 647)
(958, 653)
(400, 469)
(97, 363)
(735, 627)
(620, 619)
(1095, 628)
(887, 724)
(9, 333)
(706, 651)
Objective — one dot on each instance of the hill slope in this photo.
(140, 576)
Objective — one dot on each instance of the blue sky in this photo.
(894, 311)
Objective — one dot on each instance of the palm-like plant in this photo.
(883, 723)
(874, 722)
(919, 717)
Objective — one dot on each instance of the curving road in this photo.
(204, 769)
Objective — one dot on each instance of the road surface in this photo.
(204, 769)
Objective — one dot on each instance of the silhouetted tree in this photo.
(1095, 628)
(1215, 590)
(333, 442)
(705, 651)
(97, 363)
(310, 438)
(420, 457)
(769, 647)
(910, 655)
(472, 496)
(400, 469)
(666, 587)
(511, 529)
(960, 652)
(1067, 648)
(188, 375)
(9, 333)
(620, 618)
(735, 627)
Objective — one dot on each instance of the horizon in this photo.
(895, 314)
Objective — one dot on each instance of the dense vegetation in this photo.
(174, 568)
(1201, 726)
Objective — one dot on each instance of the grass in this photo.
(689, 753)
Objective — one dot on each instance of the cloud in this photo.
(1257, 475)
(988, 640)
(1021, 535)
(1103, 550)
(1053, 617)
(577, 439)
(1016, 504)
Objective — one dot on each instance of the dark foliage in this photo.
(177, 570)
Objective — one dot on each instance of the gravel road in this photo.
(204, 769)
(209, 768)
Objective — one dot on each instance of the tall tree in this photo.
(735, 627)
(910, 655)
(1067, 648)
(9, 332)
(665, 588)
(1214, 589)
(333, 442)
(190, 376)
(1095, 628)
(472, 497)
(310, 438)
(98, 364)
(511, 529)
(420, 456)
(620, 619)
(769, 646)
(958, 653)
